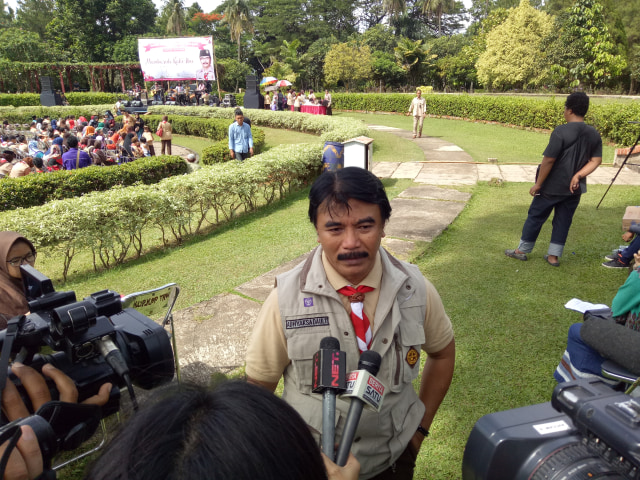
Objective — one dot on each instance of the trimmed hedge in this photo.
(330, 129)
(24, 114)
(37, 189)
(610, 119)
(112, 223)
(212, 128)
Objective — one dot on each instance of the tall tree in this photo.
(437, 8)
(6, 14)
(75, 39)
(238, 17)
(513, 58)
(176, 23)
(34, 15)
(596, 59)
(347, 63)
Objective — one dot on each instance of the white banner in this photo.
(187, 58)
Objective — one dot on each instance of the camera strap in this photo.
(13, 326)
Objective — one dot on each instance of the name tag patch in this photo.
(307, 322)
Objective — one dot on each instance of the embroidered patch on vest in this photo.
(308, 302)
(412, 357)
(307, 322)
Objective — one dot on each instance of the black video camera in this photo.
(592, 432)
(93, 341)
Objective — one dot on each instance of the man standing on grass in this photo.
(352, 289)
(240, 138)
(573, 152)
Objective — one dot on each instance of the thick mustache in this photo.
(352, 255)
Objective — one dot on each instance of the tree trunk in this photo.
(632, 86)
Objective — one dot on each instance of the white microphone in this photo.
(364, 389)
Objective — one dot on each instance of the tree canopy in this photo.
(494, 44)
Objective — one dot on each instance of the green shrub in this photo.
(24, 114)
(74, 98)
(330, 129)
(111, 223)
(611, 120)
(37, 189)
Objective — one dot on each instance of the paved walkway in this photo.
(212, 335)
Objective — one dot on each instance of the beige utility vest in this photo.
(311, 310)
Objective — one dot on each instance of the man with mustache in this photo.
(352, 289)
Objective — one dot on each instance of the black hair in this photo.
(72, 141)
(238, 112)
(236, 431)
(337, 188)
(578, 103)
(37, 161)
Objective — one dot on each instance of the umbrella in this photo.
(268, 80)
(283, 83)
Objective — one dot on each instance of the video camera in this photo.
(588, 431)
(93, 341)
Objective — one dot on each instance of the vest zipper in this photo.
(398, 359)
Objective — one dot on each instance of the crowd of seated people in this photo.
(47, 145)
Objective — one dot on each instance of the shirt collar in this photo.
(337, 281)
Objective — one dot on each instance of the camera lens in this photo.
(573, 462)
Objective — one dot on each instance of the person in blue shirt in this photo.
(75, 157)
(240, 138)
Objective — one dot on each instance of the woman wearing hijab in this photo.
(15, 250)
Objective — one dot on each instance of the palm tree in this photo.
(394, 7)
(238, 17)
(437, 8)
(176, 23)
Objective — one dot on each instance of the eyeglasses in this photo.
(29, 258)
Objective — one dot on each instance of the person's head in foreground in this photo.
(236, 431)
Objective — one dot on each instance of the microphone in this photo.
(364, 388)
(329, 373)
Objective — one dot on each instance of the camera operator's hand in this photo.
(25, 461)
(38, 391)
(350, 471)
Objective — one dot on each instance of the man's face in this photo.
(418, 93)
(350, 238)
(206, 62)
(240, 119)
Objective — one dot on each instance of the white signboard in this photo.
(187, 58)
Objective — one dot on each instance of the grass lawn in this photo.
(509, 316)
(480, 140)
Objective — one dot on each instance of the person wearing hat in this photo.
(206, 72)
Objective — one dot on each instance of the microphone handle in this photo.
(329, 422)
(349, 432)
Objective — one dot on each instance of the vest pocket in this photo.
(301, 350)
(407, 345)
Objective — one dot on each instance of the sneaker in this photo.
(615, 264)
(513, 254)
(611, 257)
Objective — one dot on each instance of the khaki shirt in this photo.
(267, 355)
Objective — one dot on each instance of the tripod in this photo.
(621, 166)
